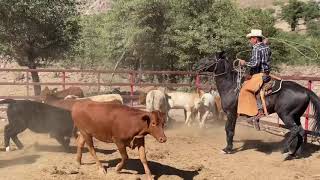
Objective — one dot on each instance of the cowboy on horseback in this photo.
(259, 65)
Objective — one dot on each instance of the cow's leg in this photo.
(88, 139)
(80, 144)
(200, 115)
(204, 118)
(7, 137)
(17, 141)
(124, 156)
(192, 116)
(12, 132)
(215, 112)
(143, 158)
(64, 142)
(188, 119)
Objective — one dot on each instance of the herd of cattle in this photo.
(67, 113)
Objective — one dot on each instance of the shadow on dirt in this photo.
(268, 147)
(156, 168)
(19, 161)
(73, 149)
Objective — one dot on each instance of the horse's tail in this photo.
(315, 100)
(7, 101)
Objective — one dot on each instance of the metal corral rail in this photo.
(132, 75)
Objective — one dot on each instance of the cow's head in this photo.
(46, 93)
(155, 121)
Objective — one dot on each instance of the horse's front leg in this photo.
(230, 127)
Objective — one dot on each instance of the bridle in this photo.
(213, 73)
(235, 67)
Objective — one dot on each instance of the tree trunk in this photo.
(36, 79)
(293, 27)
(172, 77)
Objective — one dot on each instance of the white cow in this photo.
(210, 102)
(157, 100)
(207, 105)
(190, 102)
(99, 98)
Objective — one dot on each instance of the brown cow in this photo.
(63, 93)
(120, 124)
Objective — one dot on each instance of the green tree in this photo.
(292, 12)
(199, 28)
(312, 18)
(36, 32)
(311, 11)
(313, 28)
(163, 34)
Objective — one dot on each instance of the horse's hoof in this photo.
(149, 177)
(283, 151)
(226, 151)
(288, 156)
(8, 149)
(103, 171)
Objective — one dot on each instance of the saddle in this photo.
(269, 88)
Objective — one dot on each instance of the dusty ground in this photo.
(189, 153)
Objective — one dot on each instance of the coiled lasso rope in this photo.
(293, 45)
(240, 72)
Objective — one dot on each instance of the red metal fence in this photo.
(132, 76)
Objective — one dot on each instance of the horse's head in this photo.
(215, 63)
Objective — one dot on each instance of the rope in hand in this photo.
(240, 72)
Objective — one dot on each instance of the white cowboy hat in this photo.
(255, 33)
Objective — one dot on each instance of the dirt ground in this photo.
(189, 153)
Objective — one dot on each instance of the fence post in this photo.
(131, 86)
(63, 80)
(306, 125)
(99, 74)
(28, 94)
(198, 82)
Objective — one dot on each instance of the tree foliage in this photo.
(159, 34)
(35, 32)
(296, 10)
(292, 12)
(173, 34)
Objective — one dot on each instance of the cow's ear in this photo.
(200, 92)
(147, 119)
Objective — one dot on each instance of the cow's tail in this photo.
(152, 104)
(315, 100)
(75, 132)
(7, 101)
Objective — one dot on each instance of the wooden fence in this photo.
(132, 76)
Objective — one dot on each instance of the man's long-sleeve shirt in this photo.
(260, 59)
